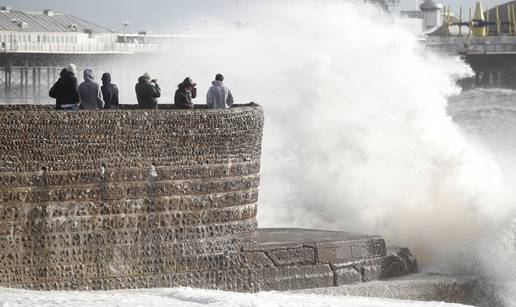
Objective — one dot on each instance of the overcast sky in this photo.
(166, 15)
(144, 15)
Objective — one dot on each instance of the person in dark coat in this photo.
(147, 92)
(186, 91)
(109, 92)
(66, 90)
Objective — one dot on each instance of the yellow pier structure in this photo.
(479, 29)
(497, 16)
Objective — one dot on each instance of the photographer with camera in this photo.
(186, 91)
(147, 92)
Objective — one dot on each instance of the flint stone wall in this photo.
(128, 198)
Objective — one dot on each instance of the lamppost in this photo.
(125, 24)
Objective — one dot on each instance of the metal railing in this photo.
(473, 45)
(82, 47)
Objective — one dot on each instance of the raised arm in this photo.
(155, 91)
(194, 92)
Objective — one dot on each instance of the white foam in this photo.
(187, 297)
(357, 134)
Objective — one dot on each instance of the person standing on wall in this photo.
(66, 90)
(147, 92)
(186, 92)
(219, 95)
(109, 92)
(91, 96)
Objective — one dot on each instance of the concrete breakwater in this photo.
(156, 198)
(127, 198)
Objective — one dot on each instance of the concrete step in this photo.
(291, 258)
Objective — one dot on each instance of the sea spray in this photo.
(357, 135)
(488, 116)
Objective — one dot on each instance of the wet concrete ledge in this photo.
(293, 258)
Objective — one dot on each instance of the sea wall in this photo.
(128, 198)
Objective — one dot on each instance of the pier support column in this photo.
(34, 94)
(8, 77)
(39, 83)
(6, 82)
(26, 79)
(21, 84)
(48, 77)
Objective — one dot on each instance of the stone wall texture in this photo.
(128, 198)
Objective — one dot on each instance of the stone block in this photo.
(293, 256)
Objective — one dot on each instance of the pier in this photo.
(492, 58)
(34, 46)
(486, 40)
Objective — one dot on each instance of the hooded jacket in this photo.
(91, 96)
(109, 92)
(65, 90)
(183, 97)
(219, 96)
(147, 93)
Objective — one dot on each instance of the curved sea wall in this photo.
(128, 198)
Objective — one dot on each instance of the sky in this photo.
(154, 15)
(170, 15)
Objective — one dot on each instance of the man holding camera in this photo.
(186, 92)
(147, 92)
